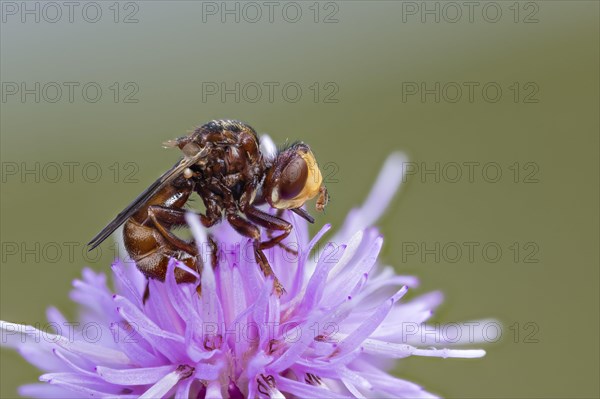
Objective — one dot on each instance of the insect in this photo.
(222, 163)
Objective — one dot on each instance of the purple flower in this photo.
(334, 333)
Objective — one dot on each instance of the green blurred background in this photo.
(364, 57)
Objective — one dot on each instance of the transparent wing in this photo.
(143, 198)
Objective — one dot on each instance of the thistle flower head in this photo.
(333, 334)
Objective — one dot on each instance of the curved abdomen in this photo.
(147, 246)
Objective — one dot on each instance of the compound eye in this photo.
(293, 178)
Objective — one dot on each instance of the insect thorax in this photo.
(233, 160)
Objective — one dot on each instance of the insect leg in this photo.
(214, 252)
(323, 198)
(287, 249)
(247, 229)
(162, 217)
(212, 204)
(303, 214)
(270, 223)
(146, 291)
(279, 214)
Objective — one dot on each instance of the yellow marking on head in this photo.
(311, 186)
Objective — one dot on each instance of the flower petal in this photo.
(316, 285)
(211, 306)
(299, 278)
(134, 376)
(303, 390)
(387, 184)
(390, 349)
(166, 384)
(364, 330)
(213, 390)
(44, 391)
(71, 364)
(125, 286)
(183, 389)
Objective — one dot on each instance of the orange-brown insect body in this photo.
(147, 246)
